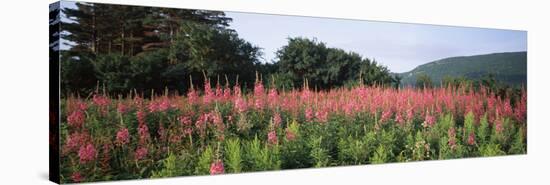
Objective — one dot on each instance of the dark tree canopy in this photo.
(326, 67)
(149, 49)
(143, 48)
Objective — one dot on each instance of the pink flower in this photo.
(192, 96)
(217, 167)
(472, 139)
(122, 108)
(289, 134)
(218, 122)
(76, 119)
(272, 97)
(308, 114)
(276, 119)
(141, 116)
(348, 108)
(122, 137)
(75, 140)
(87, 153)
(82, 105)
(452, 138)
(321, 115)
(143, 132)
(410, 115)
(306, 94)
(187, 124)
(237, 90)
(386, 114)
(507, 108)
(188, 130)
(208, 93)
(219, 91)
(498, 126)
(153, 106)
(240, 105)
(429, 120)
(101, 101)
(258, 94)
(175, 138)
(141, 153)
(216, 118)
(226, 93)
(77, 177)
(200, 124)
(185, 120)
(138, 101)
(164, 104)
(399, 119)
(272, 137)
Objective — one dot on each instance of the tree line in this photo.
(150, 49)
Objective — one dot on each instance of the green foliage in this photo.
(504, 137)
(381, 155)
(448, 152)
(442, 127)
(233, 155)
(204, 161)
(326, 67)
(352, 151)
(488, 150)
(483, 131)
(149, 48)
(407, 153)
(77, 75)
(423, 81)
(455, 82)
(421, 149)
(261, 157)
(216, 52)
(318, 153)
(388, 139)
(469, 128)
(295, 153)
(169, 167)
(518, 145)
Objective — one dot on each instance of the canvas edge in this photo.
(54, 46)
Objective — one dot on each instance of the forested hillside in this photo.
(509, 68)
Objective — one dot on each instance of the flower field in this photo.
(219, 129)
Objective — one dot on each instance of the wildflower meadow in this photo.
(139, 92)
(218, 129)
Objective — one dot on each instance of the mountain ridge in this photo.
(507, 67)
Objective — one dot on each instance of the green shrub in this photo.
(483, 131)
(469, 128)
(169, 168)
(204, 162)
(262, 158)
(448, 152)
(233, 155)
(352, 151)
(421, 149)
(491, 150)
(518, 145)
(318, 153)
(381, 155)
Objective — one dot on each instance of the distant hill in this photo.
(510, 68)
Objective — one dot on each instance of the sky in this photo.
(401, 47)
